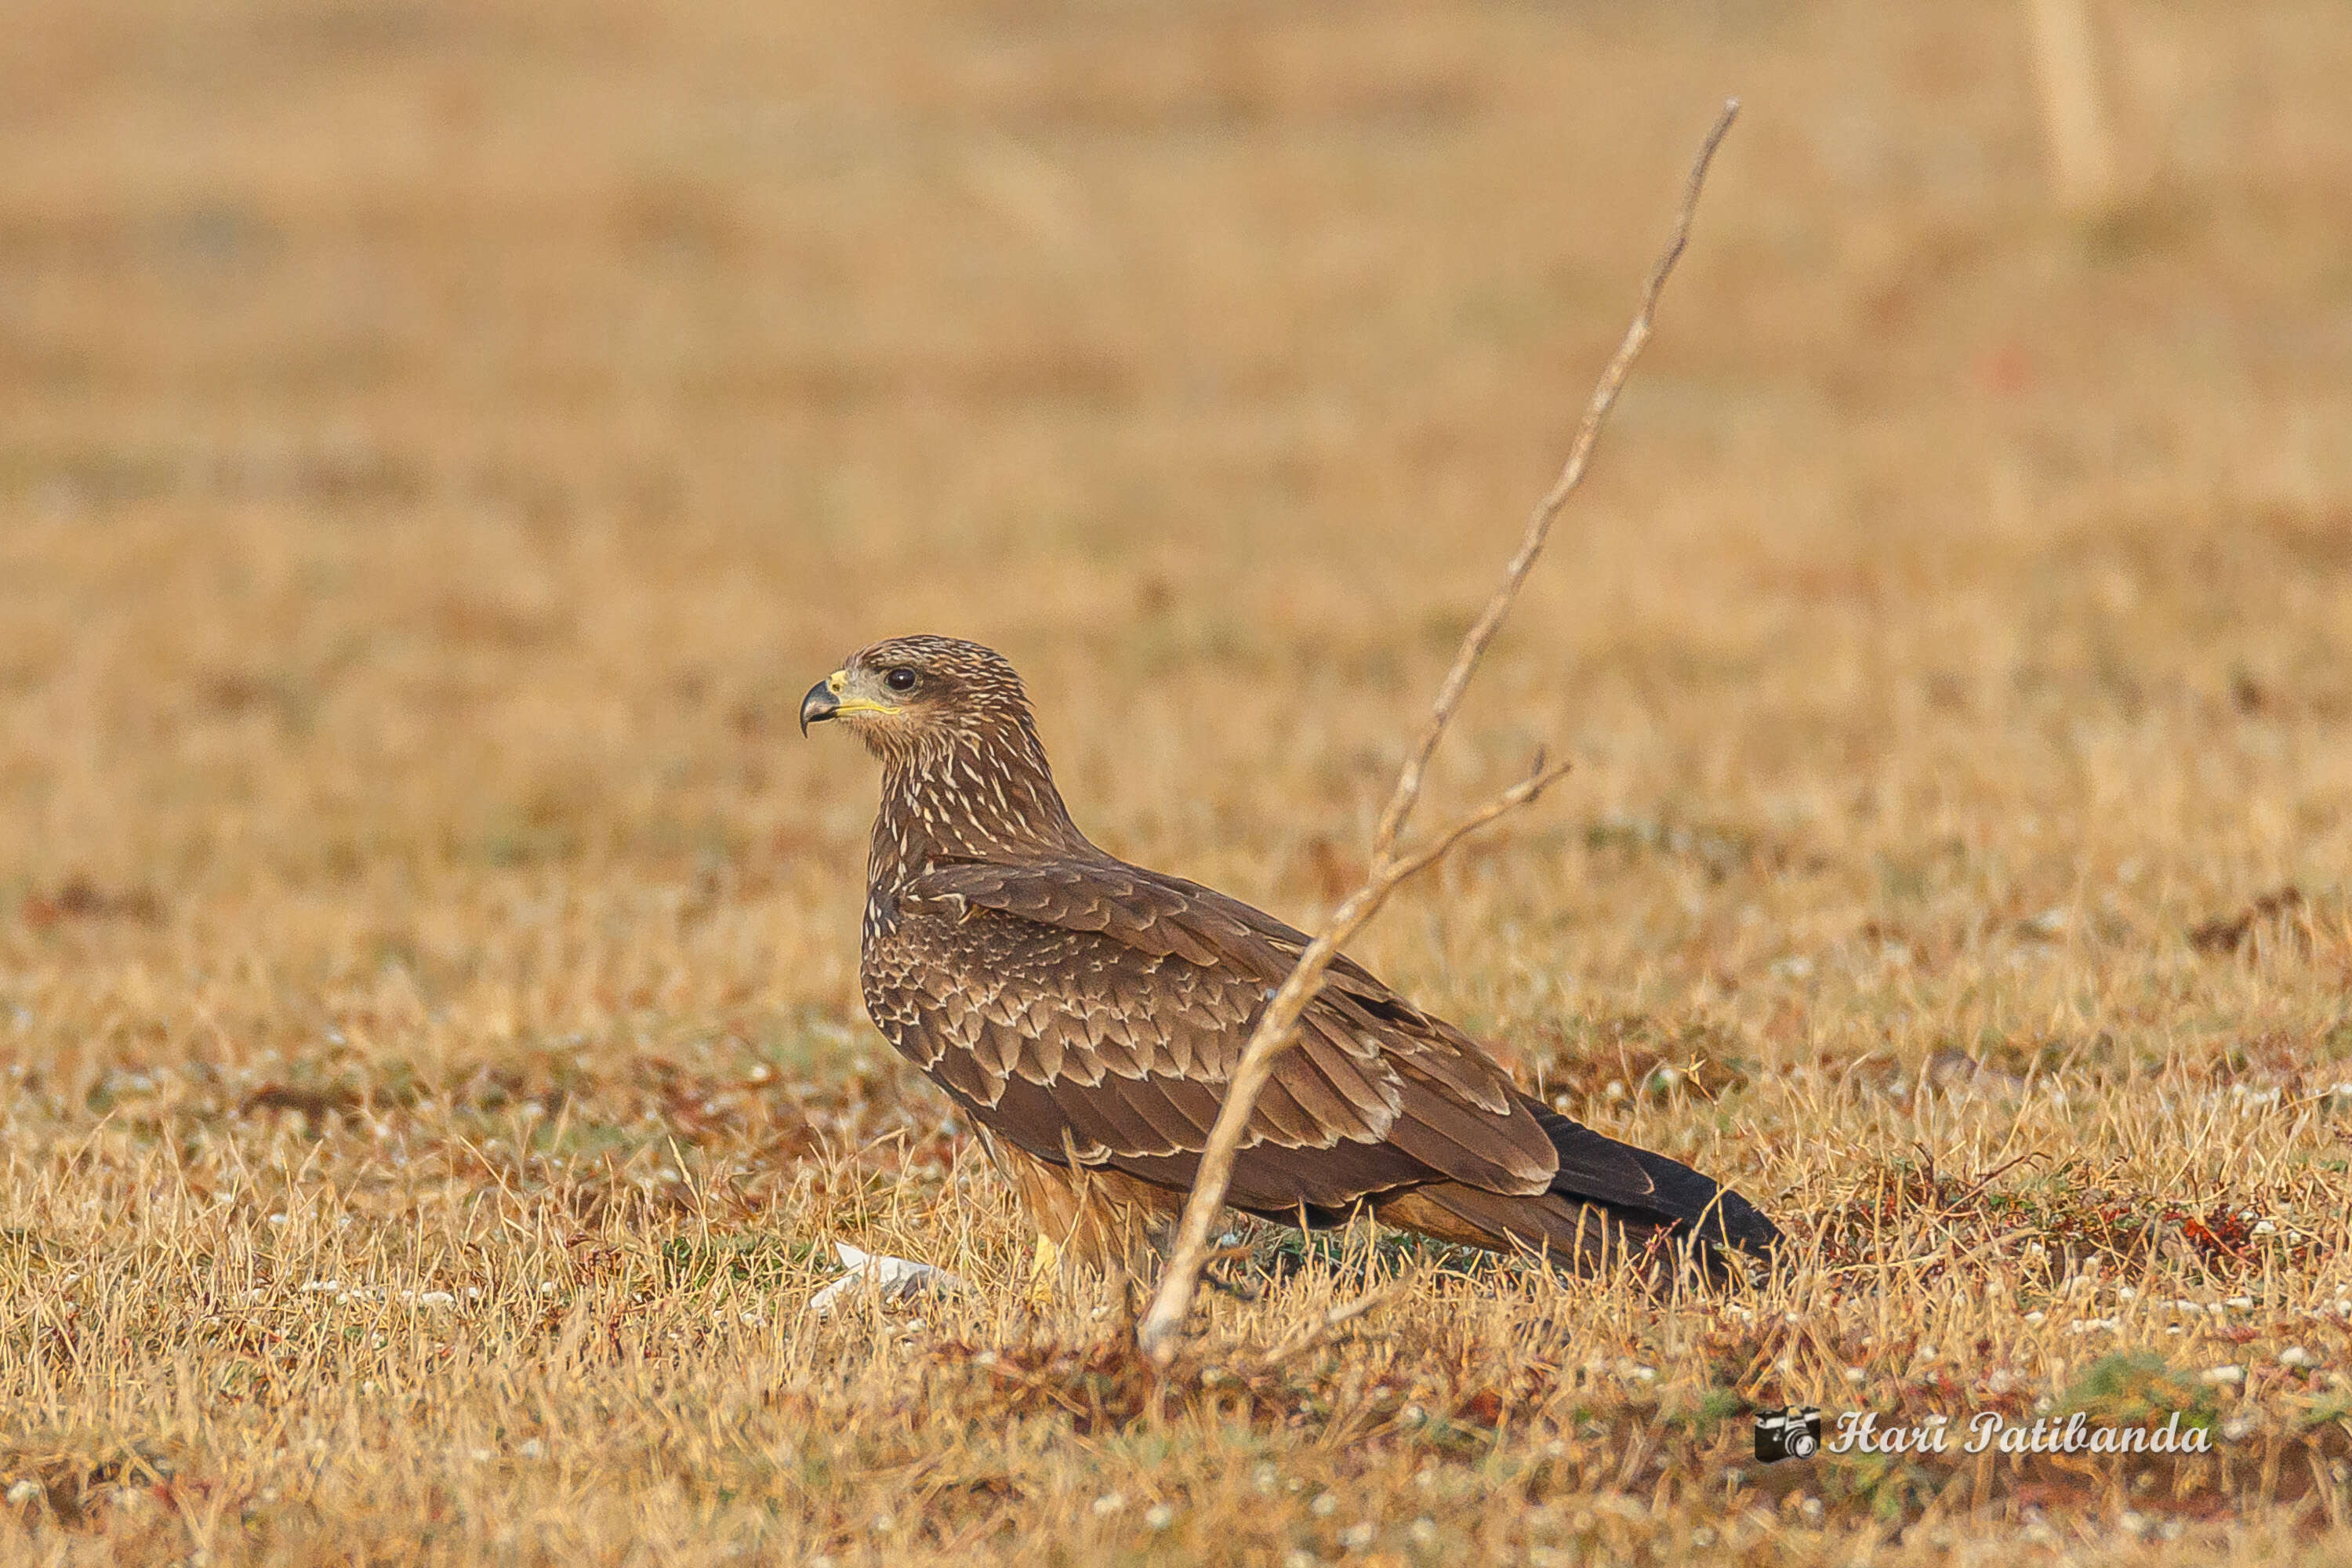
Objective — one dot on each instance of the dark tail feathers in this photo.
(1610, 1201)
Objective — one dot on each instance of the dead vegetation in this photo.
(437, 444)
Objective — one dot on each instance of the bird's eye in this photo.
(900, 679)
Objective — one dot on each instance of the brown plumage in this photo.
(1086, 1013)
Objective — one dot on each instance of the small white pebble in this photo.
(2220, 1375)
(2237, 1428)
(2295, 1355)
(25, 1491)
(2035, 1316)
(533, 1449)
(1110, 1502)
(1324, 1506)
(437, 1299)
(1158, 1516)
(1357, 1537)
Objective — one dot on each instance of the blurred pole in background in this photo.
(2065, 61)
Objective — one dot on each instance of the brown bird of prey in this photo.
(1087, 1014)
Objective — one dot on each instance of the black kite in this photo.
(1086, 1014)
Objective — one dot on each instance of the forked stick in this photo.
(1171, 1304)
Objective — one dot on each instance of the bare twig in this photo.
(1173, 1302)
(2066, 64)
(1407, 792)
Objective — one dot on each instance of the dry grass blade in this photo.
(1316, 1331)
(1172, 1301)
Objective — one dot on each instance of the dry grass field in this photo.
(439, 442)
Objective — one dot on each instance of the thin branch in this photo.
(1178, 1282)
(1171, 1304)
(1539, 779)
(1407, 792)
(2066, 65)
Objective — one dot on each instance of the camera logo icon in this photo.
(1792, 1432)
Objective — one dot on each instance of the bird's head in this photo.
(907, 694)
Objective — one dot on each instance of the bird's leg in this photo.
(1044, 1270)
(1122, 1279)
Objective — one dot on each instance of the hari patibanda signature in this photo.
(1860, 1432)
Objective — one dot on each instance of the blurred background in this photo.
(438, 442)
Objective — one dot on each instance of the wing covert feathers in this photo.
(1083, 1006)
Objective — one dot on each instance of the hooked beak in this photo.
(822, 701)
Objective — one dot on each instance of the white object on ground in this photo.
(895, 1279)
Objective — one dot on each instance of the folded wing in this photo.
(1090, 1010)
